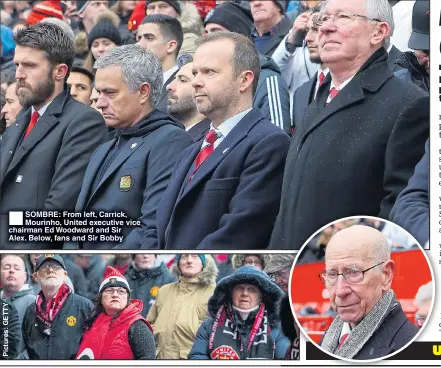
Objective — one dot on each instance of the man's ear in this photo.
(171, 46)
(388, 274)
(246, 80)
(35, 276)
(145, 92)
(382, 30)
(60, 72)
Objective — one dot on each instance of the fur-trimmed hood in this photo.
(238, 259)
(190, 19)
(248, 275)
(206, 277)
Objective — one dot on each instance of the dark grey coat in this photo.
(45, 171)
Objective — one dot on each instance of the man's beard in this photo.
(36, 96)
(221, 102)
(183, 109)
(315, 59)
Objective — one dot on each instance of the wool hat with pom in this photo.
(113, 278)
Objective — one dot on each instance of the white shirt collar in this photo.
(42, 110)
(169, 73)
(341, 85)
(227, 126)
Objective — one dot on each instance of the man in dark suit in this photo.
(162, 35)
(130, 172)
(45, 152)
(360, 139)
(225, 191)
(182, 106)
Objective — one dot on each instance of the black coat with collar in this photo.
(275, 39)
(45, 170)
(354, 156)
(233, 198)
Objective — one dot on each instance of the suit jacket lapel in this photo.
(44, 125)
(130, 147)
(239, 132)
(11, 139)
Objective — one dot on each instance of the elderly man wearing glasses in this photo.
(53, 325)
(360, 139)
(370, 322)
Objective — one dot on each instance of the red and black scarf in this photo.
(46, 310)
(225, 339)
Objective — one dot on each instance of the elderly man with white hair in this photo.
(370, 322)
(358, 142)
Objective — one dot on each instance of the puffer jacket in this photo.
(145, 284)
(179, 310)
(192, 27)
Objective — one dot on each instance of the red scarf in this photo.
(47, 310)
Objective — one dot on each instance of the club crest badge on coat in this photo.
(71, 321)
(125, 183)
(224, 352)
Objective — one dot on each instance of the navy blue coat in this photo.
(236, 189)
(147, 158)
(411, 210)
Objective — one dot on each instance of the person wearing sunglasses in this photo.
(370, 322)
(53, 324)
(116, 329)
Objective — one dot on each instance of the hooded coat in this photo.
(272, 295)
(272, 94)
(130, 173)
(22, 299)
(145, 284)
(180, 309)
(412, 71)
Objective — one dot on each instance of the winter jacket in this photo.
(145, 284)
(11, 324)
(94, 275)
(272, 295)
(65, 333)
(297, 67)
(130, 173)
(22, 299)
(117, 342)
(413, 72)
(272, 94)
(200, 346)
(179, 310)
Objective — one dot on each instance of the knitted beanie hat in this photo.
(231, 16)
(173, 3)
(104, 29)
(113, 278)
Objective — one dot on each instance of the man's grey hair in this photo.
(63, 25)
(378, 9)
(425, 293)
(138, 66)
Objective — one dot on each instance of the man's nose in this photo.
(342, 287)
(172, 86)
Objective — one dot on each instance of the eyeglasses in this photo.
(351, 276)
(54, 266)
(110, 291)
(340, 20)
(278, 275)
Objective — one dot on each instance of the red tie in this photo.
(208, 149)
(34, 118)
(332, 93)
(343, 339)
(321, 78)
